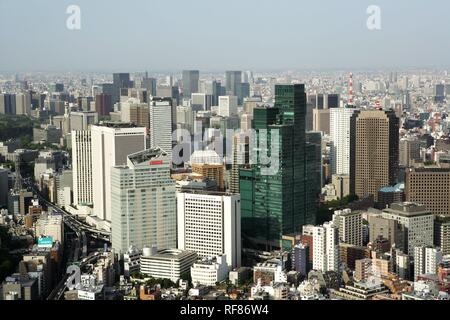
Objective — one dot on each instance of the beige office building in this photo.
(430, 186)
(373, 151)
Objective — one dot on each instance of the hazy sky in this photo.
(159, 35)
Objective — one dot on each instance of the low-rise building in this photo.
(166, 264)
(210, 271)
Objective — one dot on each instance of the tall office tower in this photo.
(241, 157)
(321, 120)
(340, 139)
(426, 260)
(190, 80)
(209, 224)
(149, 84)
(136, 113)
(233, 82)
(333, 101)
(324, 101)
(82, 168)
(201, 101)
(161, 124)
(143, 202)
(23, 104)
(275, 195)
(349, 224)
(326, 247)
(111, 144)
(409, 151)
(103, 104)
(417, 221)
(374, 137)
(439, 93)
(107, 88)
(212, 88)
(7, 103)
(442, 233)
(243, 92)
(314, 175)
(82, 120)
(120, 80)
(429, 186)
(227, 106)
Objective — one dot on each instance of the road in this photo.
(79, 249)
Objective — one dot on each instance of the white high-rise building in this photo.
(340, 139)
(143, 202)
(111, 145)
(82, 168)
(326, 247)
(161, 125)
(209, 223)
(350, 226)
(426, 260)
(228, 106)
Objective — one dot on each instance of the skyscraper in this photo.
(190, 82)
(120, 80)
(111, 145)
(23, 103)
(212, 88)
(161, 124)
(82, 168)
(7, 103)
(275, 199)
(103, 104)
(340, 139)
(143, 202)
(374, 158)
(241, 142)
(209, 224)
(233, 82)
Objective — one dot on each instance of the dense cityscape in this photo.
(224, 160)
(241, 185)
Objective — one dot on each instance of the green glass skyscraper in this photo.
(279, 203)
